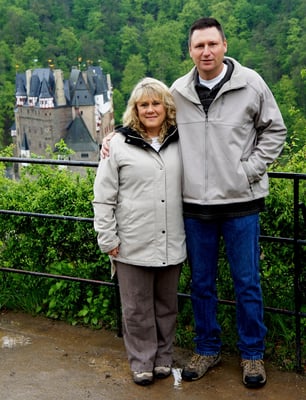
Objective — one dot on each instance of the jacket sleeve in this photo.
(104, 203)
(270, 137)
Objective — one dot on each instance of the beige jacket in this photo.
(138, 202)
(226, 153)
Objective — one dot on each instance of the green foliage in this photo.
(134, 70)
(278, 260)
(62, 149)
(185, 324)
(53, 246)
(22, 292)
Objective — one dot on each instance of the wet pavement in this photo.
(42, 359)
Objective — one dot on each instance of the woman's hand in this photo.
(114, 252)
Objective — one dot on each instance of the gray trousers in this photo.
(149, 310)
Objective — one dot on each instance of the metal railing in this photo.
(295, 241)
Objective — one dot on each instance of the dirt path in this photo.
(45, 360)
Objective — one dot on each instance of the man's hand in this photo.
(104, 152)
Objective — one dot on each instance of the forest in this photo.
(130, 39)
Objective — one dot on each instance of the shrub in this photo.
(53, 246)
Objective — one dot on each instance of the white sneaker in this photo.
(162, 371)
(143, 378)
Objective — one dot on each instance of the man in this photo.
(230, 130)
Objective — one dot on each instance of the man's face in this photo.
(207, 49)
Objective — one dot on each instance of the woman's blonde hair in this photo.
(155, 89)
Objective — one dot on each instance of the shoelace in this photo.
(194, 360)
(203, 359)
(252, 366)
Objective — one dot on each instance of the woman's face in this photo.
(152, 114)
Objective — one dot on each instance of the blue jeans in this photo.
(241, 237)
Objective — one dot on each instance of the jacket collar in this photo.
(186, 84)
(132, 137)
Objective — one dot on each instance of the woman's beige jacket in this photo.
(138, 202)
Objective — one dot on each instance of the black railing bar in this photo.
(83, 219)
(282, 240)
(113, 284)
(41, 215)
(49, 161)
(289, 175)
(55, 276)
(276, 239)
(283, 311)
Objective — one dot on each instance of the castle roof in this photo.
(44, 90)
(79, 138)
(34, 86)
(45, 74)
(81, 94)
(20, 83)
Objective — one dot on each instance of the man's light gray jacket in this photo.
(226, 152)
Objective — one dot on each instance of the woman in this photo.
(138, 217)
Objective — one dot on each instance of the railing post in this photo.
(118, 308)
(297, 274)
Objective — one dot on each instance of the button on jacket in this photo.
(138, 201)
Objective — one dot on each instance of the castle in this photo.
(49, 108)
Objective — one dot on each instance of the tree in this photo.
(7, 103)
(188, 13)
(27, 53)
(18, 24)
(69, 44)
(130, 41)
(286, 96)
(81, 10)
(134, 70)
(5, 59)
(165, 52)
(119, 106)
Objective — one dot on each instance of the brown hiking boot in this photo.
(253, 373)
(199, 365)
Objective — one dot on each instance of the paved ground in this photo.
(41, 359)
